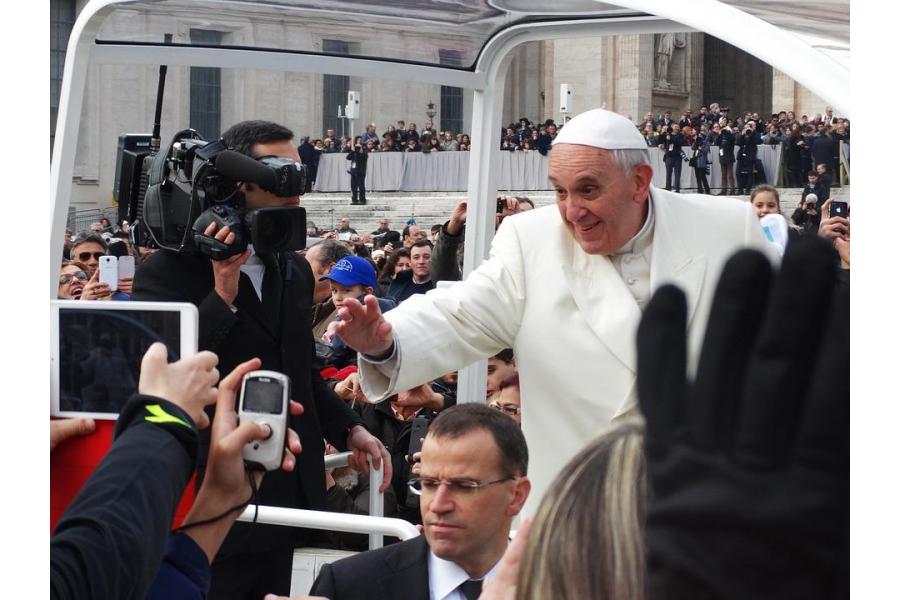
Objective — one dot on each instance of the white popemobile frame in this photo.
(782, 49)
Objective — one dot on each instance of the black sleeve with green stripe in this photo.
(110, 541)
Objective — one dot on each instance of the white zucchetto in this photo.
(601, 129)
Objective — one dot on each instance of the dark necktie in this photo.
(471, 589)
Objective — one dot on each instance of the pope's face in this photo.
(601, 204)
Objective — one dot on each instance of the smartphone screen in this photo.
(126, 267)
(839, 209)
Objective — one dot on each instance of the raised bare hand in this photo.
(363, 327)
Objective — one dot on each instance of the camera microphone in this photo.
(243, 168)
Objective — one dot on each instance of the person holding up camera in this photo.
(671, 142)
(259, 305)
(358, 157)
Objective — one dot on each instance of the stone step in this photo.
(430, 208)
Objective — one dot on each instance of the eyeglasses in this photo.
(86, 256)
(80, 275)
(510, 409)
(457, 487)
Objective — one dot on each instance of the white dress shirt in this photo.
(255, 269)
(445, 576)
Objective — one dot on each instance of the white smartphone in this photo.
(97, 347)
(126, 267)
(109, 272)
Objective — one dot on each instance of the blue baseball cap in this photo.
(352, 270)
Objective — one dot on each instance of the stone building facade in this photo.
(632, 75)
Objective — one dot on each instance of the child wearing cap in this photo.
(351, 277)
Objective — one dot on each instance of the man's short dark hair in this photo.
(812, 173)
(436, 228)
(331, 250)
(244, 135)
(525, 200)
(88, 236)
(466, 418)
(406, 231)
(505, 355)
(422, 244)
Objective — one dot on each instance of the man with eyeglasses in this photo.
(87, 248)
(472, 483)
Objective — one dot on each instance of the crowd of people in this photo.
(373, 347)
(807, 142)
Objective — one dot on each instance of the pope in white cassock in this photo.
(564, 287)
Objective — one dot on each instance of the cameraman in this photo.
(671, 142)
(259, 305)
(358, 157)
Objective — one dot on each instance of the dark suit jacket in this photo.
(396, 572)
(279, 333)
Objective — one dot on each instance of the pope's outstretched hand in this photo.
(363, 328)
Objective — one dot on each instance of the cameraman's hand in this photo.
(94, 289)
(458, 218)
(226, 485)
(187, 383)
(362, 444)
(227, 273)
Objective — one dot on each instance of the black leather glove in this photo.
(749, 464)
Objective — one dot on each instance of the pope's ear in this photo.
(642, 177)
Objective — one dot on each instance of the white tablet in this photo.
(97, 347)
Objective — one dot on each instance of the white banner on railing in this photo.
(449, 171)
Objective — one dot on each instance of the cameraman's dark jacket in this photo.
(277, 330)
(109, 543)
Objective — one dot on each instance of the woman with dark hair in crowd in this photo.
(527, 145)
(106, 224)
(598, 501)
(726, 157)
(749, 141)
(399, 260)
(72, 277)
(794, 156)
(465, 140)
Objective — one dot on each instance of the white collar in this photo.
(445, 576)
(254, 258)
(644, 237)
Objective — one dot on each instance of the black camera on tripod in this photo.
(191, 183)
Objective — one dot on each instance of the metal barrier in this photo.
(376, 525)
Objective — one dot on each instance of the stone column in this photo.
(632, 76)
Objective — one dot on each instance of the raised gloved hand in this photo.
(749, 464)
